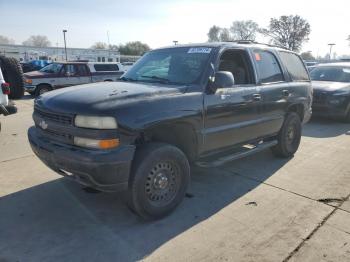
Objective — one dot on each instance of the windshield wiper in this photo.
(127, 79)
(158, 78)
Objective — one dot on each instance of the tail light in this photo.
(5, 87)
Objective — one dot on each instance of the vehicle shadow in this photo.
(323, 127)
(58, 220)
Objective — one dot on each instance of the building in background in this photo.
(29, 53)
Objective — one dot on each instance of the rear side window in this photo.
(106, 67)
(268, 68)
(295, 66)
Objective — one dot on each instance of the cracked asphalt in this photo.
(259, 208)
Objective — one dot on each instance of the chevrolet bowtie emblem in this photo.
(43, 124)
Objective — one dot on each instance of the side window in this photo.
(106, 67)
(295, 66)
(268, 68)
(69, 70)
(81, 70)
(236, 62)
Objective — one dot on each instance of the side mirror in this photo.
(222, 79)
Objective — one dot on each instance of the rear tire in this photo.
(159, 180)
(13, 74)
(289, 137)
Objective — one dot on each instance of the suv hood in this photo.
(101, 98)
(330, 86)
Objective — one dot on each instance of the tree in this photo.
(225, 35)
(214, 34)
(349, 39)
(99, 45)
(37, 41)
(288, 31)
(4, 40)
(244, 30)
(135, 48)
(307, 56)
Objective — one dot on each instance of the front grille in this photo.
(58, 135)
(58, 118)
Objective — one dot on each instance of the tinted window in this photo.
(295, 66)
(268, 68)
(106, 67)
(333, 74)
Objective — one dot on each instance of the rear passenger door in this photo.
(274, 91)
(82, 74)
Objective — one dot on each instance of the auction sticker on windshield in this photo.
(199, 50)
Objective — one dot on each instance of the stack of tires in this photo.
(13, 75)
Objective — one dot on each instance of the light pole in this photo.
(175, 42)
(330, 50)
(65, 44)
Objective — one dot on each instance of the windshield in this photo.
(332, 74)
(183, 65)
(53, 68)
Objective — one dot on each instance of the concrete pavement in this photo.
(255, 209)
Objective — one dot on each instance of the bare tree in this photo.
(214, 34)
(225, 35)
(99, 45)
(288, 31)
(4, 40)
(37, 41)
(244, 30)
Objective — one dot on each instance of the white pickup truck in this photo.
(63, 74)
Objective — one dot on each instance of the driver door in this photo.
(231, 114)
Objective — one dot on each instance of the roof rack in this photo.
(258, 43)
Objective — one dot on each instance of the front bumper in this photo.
(104, 170)
(29, 88)
(331, 111)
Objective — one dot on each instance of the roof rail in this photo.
(255, 42)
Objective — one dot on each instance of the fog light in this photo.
(96, 144)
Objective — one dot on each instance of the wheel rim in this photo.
(162, 184)
(292, 136)
(43, 90)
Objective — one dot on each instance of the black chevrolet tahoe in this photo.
(201, 104)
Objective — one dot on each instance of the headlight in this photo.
(28, 81)
(96, 144)
(96, 122)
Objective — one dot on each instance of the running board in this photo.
(231, 157)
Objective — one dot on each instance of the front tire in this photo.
(160, 177)
(42, 89)
(289, 137)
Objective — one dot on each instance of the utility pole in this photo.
(65, 44)
(109, 46)
(330, 51)
(175, 42)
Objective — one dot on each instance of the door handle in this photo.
(285, 93)
(256, 97)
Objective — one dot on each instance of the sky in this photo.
(159, 22)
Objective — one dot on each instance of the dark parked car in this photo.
(200, 104)
(331, 84)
